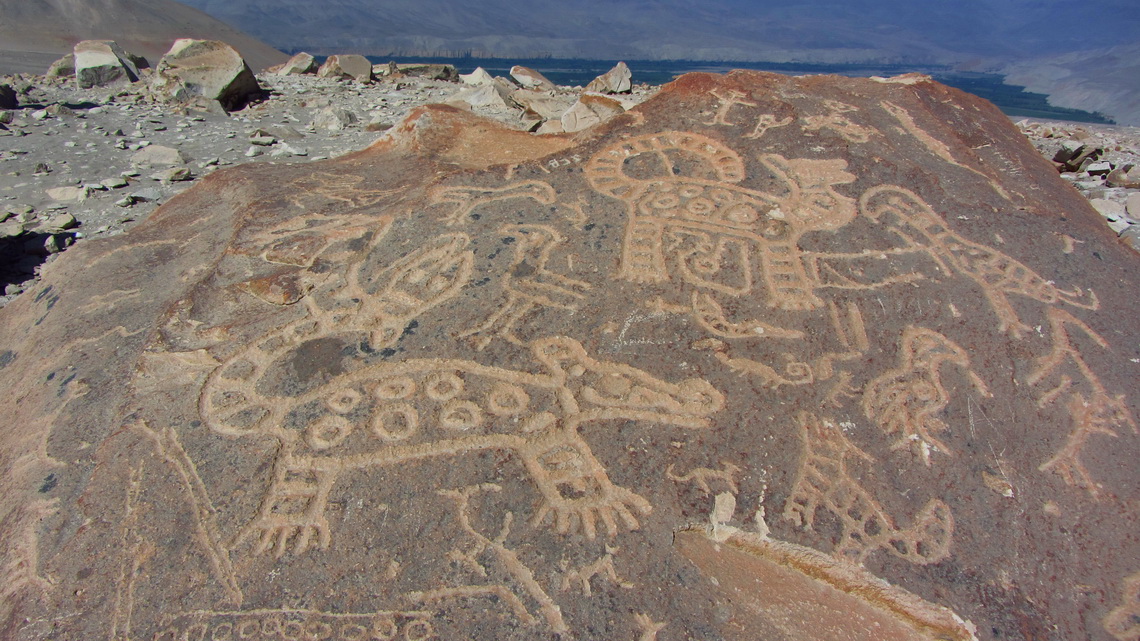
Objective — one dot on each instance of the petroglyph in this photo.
(920, 227)
(825, 480)
(1123, 622)
(725, 103)
(135, 553)
(1096, 413)
(322, 187)
(19, 573)
(709, 229)
(421, 280)
(848, 330)
(905, 401)
(649, 628)
(169, 448)
(287, 623)
(765, 122)
(467, 199)
(528, 284)
(835, 121)
(424, 408)
(700, 476)
(522, 576)
(937, 147)
(819, 597)
(603, 567)
(498, 593)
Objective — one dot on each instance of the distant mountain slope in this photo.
(35, 32)
(1104, 80)
(773, 30)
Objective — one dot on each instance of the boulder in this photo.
(493, 96)
(352, 66)
(62, 68)
(616, 80)
(205, 73)
(99, 63)
(8, 98)
(333, 119)
(477, 77)
(544, 104)
(301, 63)
(710, 371)
(530, 79)
(429, 71)
(590, 109)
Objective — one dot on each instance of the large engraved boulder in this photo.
(764, 357)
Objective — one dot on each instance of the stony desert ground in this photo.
(79, 164)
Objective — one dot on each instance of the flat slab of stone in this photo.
(853, 338)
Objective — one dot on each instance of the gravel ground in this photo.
(79, 164)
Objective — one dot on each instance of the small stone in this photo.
(1110, 209)
(67, 194)
(252, 152)
(1131, 236)
(173, 174)
(333, 119)
(39, 114)
(41, 169)
(1132, 205)
(1099, 168)
(115, 182)
(125, 201)
(8, 98)
(145, 195)
(158, 156)
(62, 222)
(262, 141)
(1118, 225)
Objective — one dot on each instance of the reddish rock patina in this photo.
(764, 357)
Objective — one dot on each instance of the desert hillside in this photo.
(33, 34)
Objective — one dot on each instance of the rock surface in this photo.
(474, 383)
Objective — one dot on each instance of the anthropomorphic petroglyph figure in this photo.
(998, 275)
(825, 481)
(906, 400)
(423, 408)
(835, 120)
(725, 103)
(529, 284)
(467, 199)
(687, 215)
(1092, 409)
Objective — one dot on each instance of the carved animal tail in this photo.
(928, 540)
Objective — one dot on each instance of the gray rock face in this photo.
(205, 71)
(99, 63)
(347, 66)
